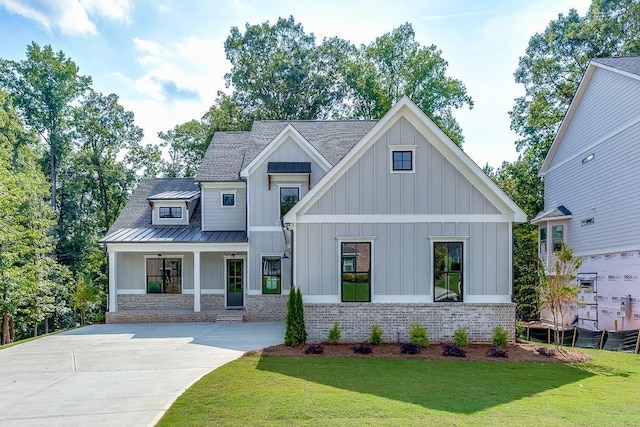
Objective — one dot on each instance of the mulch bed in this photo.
(520, 352)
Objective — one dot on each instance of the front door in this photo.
(234, 282)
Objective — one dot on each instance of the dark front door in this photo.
(234, 282)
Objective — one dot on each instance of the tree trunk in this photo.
(6, 333)
(52, 164)
(35, 329)
(46, 325)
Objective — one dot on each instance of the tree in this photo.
(43, 88)
(558, 293)
(295, 330)
(394, 65)
(277, 73)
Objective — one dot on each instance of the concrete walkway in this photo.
(117, 375)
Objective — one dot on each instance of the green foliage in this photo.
(461, 336)
(418, 334)
(376, 335)
(500, 337)
(86, 293)
(334, 335)
(295, 329)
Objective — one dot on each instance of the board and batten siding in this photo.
(605, 189)
(131, 270)
(609, 103)
(436, 187)
(215, 217)
(212, 271)
(264, 203)
(266, 243)
(402, 258)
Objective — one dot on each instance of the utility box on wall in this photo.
(625, 305)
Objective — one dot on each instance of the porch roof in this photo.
(558, 213)
(173, 234)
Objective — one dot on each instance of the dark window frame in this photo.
(284, 205)
(269, 275)
(453, 265)
(233, 197)
(361, 270)
(169, 212)
(165, 281)
(400, 162)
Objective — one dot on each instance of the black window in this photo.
(228, 199)
(403, 160)
(170, 212)
(164, 275)
(447, 274)
(356, 271)
(289, 196)
(271, 275)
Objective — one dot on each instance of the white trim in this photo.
(315, 299)
(234, 193)
(133, 292)
(266, 228)
(356, 238)
(438, 140)
(254, 292)
(605, 251)
(197, 282)
(394, 148)
(113, 281)
(409, 218)
(487, 299)
(223, 185)
(465, 264)
(169, 247)
(369, 240)
(288, 131)
(405, 299)
(212, 291)
(188, 292)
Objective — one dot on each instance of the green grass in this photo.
(274, 391)
(355, 291)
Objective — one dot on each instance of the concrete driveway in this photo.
(117, 375)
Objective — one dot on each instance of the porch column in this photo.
(113, 297)
(196, 281)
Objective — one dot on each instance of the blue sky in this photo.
(165, 58)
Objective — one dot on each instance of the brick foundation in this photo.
(440, 320)
(155, 302)
(263, 308)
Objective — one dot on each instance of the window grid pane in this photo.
(402, 160)
(356, 272)
(164, 275)
(170, 212)
(271, 275)
(447, 274)
(228, 199)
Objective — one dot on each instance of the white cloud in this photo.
(70, 17)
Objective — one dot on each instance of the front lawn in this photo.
(318, 391)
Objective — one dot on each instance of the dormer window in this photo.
(170, 212)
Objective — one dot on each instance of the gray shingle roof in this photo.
(554, 213)
(134, 222)
(230, 152)
(630, 64)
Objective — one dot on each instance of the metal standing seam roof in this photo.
(174, 234)
(175, 195)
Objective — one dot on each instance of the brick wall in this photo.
(440, 320)
(155, 302)
(211, 302)
(261, 308)
(159, 317)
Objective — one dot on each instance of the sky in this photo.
(165, 58)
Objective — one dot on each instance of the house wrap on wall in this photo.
(591, 198)
(384, 222)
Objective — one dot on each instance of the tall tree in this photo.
(394, 65)
(43, 88)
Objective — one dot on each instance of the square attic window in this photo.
(588, 158)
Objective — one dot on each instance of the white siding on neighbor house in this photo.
(131, 274)
(402, 259)
(215, 217)
(609, 103)
(605, 189)
(436, 187)
(264, 204)
(266, 243)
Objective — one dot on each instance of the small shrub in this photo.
(497, 352)
(363, 348)
(100, 317)
(500, 337)
(410, 348)
(461, 337)
(546, 352)
(418, 335)
(334, 334)
(314, 349)
(376, 335)
(520, 330)
(453, 350)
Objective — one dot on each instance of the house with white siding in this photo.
(591, 198)
(377, 222)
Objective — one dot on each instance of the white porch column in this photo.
(196, 281)
(113, 297)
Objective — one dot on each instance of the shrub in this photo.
(296, 331)
(497, 352)
(314, 349)
(410, 348)
(363, 348)
(461, 337)
(334, 334)
(376, 335)
(520, 330)
(418, 335)
(500, 337)
(453, 350)
(546, 352)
